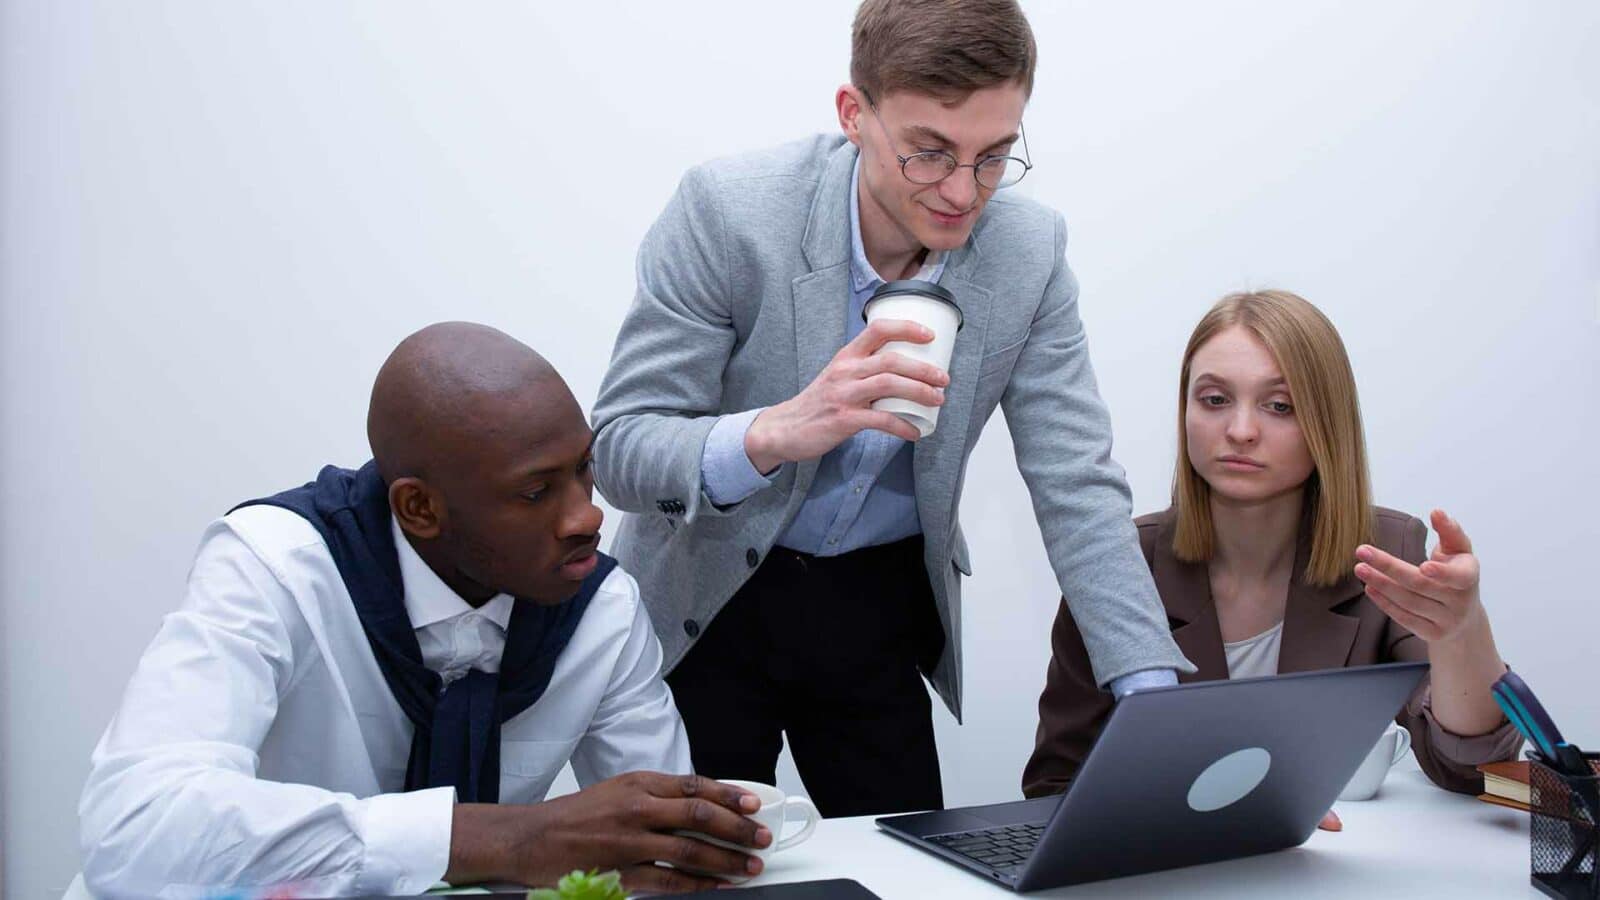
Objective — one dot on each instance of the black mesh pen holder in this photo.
(1563, 838)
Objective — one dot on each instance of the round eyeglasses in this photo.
(933, 166)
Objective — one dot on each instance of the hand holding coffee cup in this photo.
(932, 307)
(1390, 749)
(839, 402)
(773, 815)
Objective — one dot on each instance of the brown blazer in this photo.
(1323, 628)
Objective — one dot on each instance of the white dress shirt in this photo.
(454, 637)
(258, 745)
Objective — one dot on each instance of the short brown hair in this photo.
(948, 48)
(1338, 495)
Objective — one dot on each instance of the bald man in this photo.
(374, 678)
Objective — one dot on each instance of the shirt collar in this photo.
(428, 599)
(862, 275)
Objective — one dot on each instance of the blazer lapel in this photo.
(820, 295)
(826, 242)
(936, 459)
(1314, 635)
(819, 329)
(1185, 590)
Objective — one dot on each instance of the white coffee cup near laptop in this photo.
(774, 813)
(1390, 749)
(932, 307)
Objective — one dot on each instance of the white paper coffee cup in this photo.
(932, 307)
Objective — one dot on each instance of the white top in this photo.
(1254, 656)
(258, 745)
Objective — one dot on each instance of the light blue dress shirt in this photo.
(863, 494)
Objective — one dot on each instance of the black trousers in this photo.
(830, 651)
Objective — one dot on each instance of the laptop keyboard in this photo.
(1004, 848)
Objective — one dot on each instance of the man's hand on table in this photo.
(623, 823)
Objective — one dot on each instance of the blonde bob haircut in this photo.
(1338, 494)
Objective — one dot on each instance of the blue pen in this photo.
(1532, 710)
(1509, 705)
(1512, 716)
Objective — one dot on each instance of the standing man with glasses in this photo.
(800, 552)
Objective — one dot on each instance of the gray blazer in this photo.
(743, 290)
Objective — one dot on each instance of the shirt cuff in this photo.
(725, 468)
(1466, 750)
(407, 839)
(1143, 679)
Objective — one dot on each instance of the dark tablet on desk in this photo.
(498, 893)
(831, 889)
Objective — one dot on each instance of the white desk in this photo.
(1414, 840)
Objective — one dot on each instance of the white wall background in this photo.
(219, 217)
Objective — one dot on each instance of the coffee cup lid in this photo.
(913, 286)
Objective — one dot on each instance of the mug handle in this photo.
(1402, 746)
(812, 818)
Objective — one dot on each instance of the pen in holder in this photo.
(1564, 839)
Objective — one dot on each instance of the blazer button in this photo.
(691, 628)
(752, 557)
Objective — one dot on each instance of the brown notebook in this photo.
(1506, 783)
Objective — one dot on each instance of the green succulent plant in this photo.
(580, 885)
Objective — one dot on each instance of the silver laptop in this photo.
(1182, 775)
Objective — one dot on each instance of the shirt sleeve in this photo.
(725, 467)
(173, 806)
(636, 726)
(663, 391)
(1143, 679)
(1061, 435)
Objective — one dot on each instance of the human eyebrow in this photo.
(539, 472)
(543, 468)
(1003, 142)
(925, 134)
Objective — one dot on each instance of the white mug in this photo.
(928, 305)
(1390, 749)
(774, 812)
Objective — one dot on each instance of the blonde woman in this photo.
(1273, 558)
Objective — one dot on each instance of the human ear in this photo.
(417, 507)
